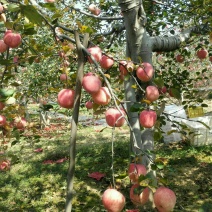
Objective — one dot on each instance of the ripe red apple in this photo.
(113, 200)
(2, 120)
(102, 97)
(112, 116)
(63, 77)
(145, 73)
(65, 98)
(20, 123)
(3, 46)
(202, 53)
(2, 105)
(152, 93)
(4, 165)
(49, 1)
(179, 58)
(91, 83)
(96, 52)
(89, 105)
(135, 170)
(139, 199)
(94, 9)
(170, 92)
(1, 8)
(122, 67)
(163, 90)
(106, 62)
(148, 118)
(11, 39)
(164, 199)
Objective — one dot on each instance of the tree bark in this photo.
(74, 123)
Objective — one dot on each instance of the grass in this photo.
(31, 185)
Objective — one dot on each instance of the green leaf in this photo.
(204, 124)
(6, 92)
(31, 13)
(11, 100)
(13, 8)
(136, 107)
(159, 82)
(176, 93)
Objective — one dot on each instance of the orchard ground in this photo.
(36, 180)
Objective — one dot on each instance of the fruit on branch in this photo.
(145, 73)
(102, 97)
(4, 165)
(65, 98)
(1, 8)
(170, 92)
(91, 83)
(3, 46)
(164, 199)
(16, 60)
(148, 118)
(20, 123)
(89, 105)
(114, 118)
(152, 93)
(202, 53)
(122, 67)
(113, 200)
(140, 198)
(2, 120)
(135, 170)
(179, 58)
(49, 1)
(94, 9)
(162, 90)
(63, 77)
(106, 62)
(96, 52)
(2, 105)
(11, 39)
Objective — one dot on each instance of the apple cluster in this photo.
(164, 198)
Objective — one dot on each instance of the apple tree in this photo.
(161, 39)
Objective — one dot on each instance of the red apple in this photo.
(152, 93)
(180, 58)
(96, 52)
(91, 83)
(202, 53)
(2, 105)
(139, 199)
(20, 123)
(164, 199)
(63, 77)
(11, 39)
(16, 59)
(163, 90)
(106, 62)
(113, 200)
(4, 165)
(89, 105)
(145, 73)
(170, 92)
(3, 46)
(1, 8)
(94, 9)
(113, 117)
(135, 170)
(65, 98)
(102, 97)
(2, 120)
(122, 67)
(148, 118)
